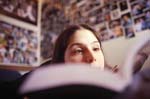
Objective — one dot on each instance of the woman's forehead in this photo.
(83, 36)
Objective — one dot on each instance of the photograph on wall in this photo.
(104, 35)
(94, 17)
(140, 24)
(115, 28)
(123, 5)
(113, 5)
(147, 18)
(99, 18)
(137, 8)
(126, 19)
(95, 3)
(106, 2)
(131, 1)
(107, 17)
(147, 4)
(23, 10)
(103, 32)
(115, 14)
(105, 9)
(129, 32)
(17, 45)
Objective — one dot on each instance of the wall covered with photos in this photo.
(29, 28)
(18, 32)
(111, 18)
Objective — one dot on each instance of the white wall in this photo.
(116, 50)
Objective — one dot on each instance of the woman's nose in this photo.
(89, 57)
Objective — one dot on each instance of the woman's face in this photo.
(84, 47)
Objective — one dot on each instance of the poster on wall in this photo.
(17, 45)
(23, 10)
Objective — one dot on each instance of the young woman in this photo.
(79, 44)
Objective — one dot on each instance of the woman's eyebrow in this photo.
(74, 44)
(95, 42)
(79, 44)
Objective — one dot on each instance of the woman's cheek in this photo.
(75, 59)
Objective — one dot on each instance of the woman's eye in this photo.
(96, 49)
(78, 51)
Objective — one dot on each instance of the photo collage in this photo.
(18, 45)
(24, 10)
(111, 18)
(127, 18)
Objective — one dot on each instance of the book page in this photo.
(68, 74)
(137, 53)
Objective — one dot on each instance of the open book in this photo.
(80, 79)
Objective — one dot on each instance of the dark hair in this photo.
(63, 40)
